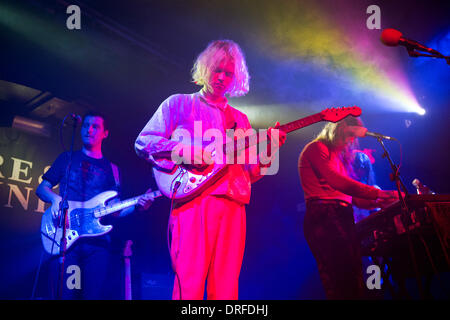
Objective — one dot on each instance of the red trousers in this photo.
(208, 241)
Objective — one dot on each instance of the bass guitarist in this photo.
(90, 174)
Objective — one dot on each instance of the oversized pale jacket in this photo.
(180, 111)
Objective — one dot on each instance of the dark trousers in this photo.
(329, 229)
(92, 258)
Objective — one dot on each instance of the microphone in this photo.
(393, 38)
(362, 132)
(377, 135)
(76, 118)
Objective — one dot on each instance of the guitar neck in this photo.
(244, 143)
(301, 123)
(104, 211)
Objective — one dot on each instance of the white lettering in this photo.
(23, 201)
(373, 21)
(198, 310)
(374, 281)
(17, 170)
(1, 163)
(74, 280)
(73, 21)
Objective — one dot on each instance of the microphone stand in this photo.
(63, 210)
(395, 176)
(414, 54)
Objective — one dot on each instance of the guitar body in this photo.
(81, 222)
(185, 181)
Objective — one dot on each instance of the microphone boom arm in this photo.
(414, 54)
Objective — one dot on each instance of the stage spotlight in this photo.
(410, 104)
(416, 108)
(421, 111)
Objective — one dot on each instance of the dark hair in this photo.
(98, 114)
(363, 168)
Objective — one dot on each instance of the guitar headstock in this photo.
(127, 249)
(337, 114)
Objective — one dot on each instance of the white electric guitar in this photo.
(83, 220)
(184, 182)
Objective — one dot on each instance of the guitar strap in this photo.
(115, 171)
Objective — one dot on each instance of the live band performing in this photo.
(239, 150)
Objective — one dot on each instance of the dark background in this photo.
(303, 56)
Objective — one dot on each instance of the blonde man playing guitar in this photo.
(207, 230)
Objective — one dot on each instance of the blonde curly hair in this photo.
(212, 56)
